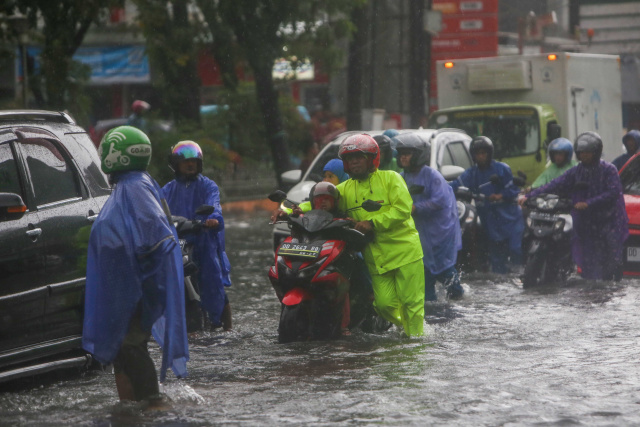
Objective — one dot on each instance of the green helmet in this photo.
(125, 148)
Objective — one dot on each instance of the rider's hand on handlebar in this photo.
(211, 223)
(277, 215)
(296, 211)
(581, 206)
(363, 226)
(522, 199)
(495, 197)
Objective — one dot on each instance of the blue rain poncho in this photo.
(436, 218)
(184, 196)
(620, 161)
(133, 258)
(501, 220)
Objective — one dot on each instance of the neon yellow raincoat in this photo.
(394, 258)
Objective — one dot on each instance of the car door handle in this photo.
(34, 233)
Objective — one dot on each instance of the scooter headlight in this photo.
(558, 225)
(461, 209)
(546, 203)
(471, 216)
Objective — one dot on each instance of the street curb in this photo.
(248, 206)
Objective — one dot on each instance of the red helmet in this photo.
(364, 144)
(140, 106)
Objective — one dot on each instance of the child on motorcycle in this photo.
(561, 156)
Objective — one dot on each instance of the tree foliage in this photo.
(64, 24)
(265, 31)
(172, 44)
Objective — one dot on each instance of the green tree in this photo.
(60, 27)
(172, 44)
(265, 31)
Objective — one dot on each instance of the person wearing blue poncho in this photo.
(500, 215)
(188, 191)
(435, 214)
(631, 141)
(134, 282)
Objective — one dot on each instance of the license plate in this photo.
(633, 254)
(299, 250)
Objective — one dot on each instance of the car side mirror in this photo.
(451, 172)
(554, 131)
(292, 176)
(11, 207)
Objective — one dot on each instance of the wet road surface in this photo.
(562, 355)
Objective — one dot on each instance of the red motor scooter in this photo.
(312, 273)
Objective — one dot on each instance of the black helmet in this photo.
(588, 142)
(481, 142)
(384, 142)
(420, 147)
(324, 189)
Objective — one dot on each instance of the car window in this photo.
(9, 179)
(53, 178)
(331, 152)
(457, 155)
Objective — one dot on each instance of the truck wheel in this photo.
(535, 270)
(294, 323)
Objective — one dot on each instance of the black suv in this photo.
(51, 191)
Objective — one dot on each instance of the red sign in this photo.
(466, 7)
(463, 43)
(460, 24)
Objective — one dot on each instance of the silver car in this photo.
(449, 155)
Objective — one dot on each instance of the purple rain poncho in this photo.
(134, 257)
(436, 218)
(184, 197)
(599, 232)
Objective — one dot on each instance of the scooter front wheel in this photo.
(535, 271)
(294, 324)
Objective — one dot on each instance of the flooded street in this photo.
(501, 356)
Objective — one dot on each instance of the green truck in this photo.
(522, 103)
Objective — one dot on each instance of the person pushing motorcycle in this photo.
(188, 191)
(394, 258)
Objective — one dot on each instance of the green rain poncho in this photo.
(397, 242)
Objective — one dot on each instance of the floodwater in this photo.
(563, 355)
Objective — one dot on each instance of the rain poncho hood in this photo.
(552, 172)
(620, 161)
(436, 218)
(184, 196)
(604, 220)
(336, 167)
(133, 258)
(396, 240)
(502, 220)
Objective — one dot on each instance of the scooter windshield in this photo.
(314, 220)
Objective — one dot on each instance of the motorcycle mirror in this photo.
(518, 181)
(278, 196)
(205, 210)
(494, 179)
(522, 175)
(416, 189)
(371, 206)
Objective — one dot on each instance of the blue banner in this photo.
(109, 64)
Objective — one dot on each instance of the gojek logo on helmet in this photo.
(115, 156)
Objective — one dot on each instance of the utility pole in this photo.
(419, 57)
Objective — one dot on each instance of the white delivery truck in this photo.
(523, 102)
